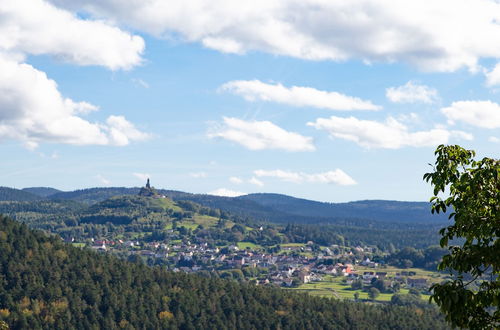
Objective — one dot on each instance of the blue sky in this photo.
(210, 97)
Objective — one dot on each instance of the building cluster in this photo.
(290, 266)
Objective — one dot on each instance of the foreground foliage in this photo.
(45, 284)
(473, 298)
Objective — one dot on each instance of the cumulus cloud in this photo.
(493, 76)
(494, 139)
(336, 176)
(411, 93)
(122, 132)
(280, 174)
(32, 110)
(235, 180)
(485, 114)
(433, 35)
(103, 180)
(256, 182)
(253, 90)
(142, 176)
(260, 135)
(37, 27)
(226, 192)
(390, 134)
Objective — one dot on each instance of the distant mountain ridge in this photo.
(262, 206)
(42, 191)
(388, 210)
(12, 194)
(94, 195)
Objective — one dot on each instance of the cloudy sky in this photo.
(321, 99)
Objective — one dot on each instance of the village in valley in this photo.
(336, 271)
(292, 264)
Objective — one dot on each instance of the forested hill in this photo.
(268, 207)
(11, 194)
(42, 191)
(95, 195)
(391, 211)
(49, 285)
(286, 209)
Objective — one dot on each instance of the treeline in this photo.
(385, 239)
(409, 257)
(46, 284)
(10, 194)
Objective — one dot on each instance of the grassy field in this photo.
(80, 245)
(431, 276)
(334, 288)
(166, 203)
(193, 223)
(244, 245)
(292, 245)
(204, 220)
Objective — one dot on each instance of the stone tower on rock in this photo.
(149, 191)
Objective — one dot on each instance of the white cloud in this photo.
(122, 132)
(410, 118)
(256, 182)
(280, 174)
(443, 35)
(493, 76)
(198, 175)
(142, 176)
(485, 114)
(494, 139)
(260, 135)
(140, 82)
(235, 180)
(103, 180)
(32, 111)
(390, 134)
(37, 27)
(411, 93)
(336, 176)
(226, 193)
(297, 96)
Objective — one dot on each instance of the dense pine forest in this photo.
(46, 284)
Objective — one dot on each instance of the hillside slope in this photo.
(42, 191)
(381, 210)
(11, 194)
(94, 195)
(264, 206)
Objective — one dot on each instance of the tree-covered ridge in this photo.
(42, 191)
(267, 207)
(78, 220)
(11, 194)
(137, 214)
(378, 210)
(46, 284)
(349, 220)
(94, 195)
